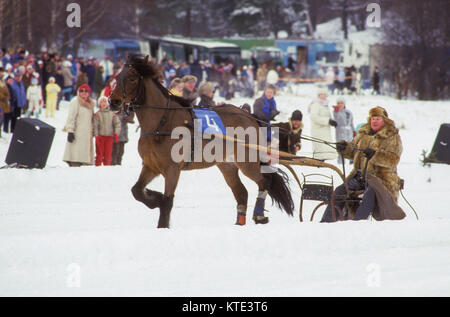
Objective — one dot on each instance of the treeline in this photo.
(35, 24)
(419, 30)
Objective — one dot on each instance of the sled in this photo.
(322, 191)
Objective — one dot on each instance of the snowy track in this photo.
(61, 228)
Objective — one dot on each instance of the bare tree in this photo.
(346, 9)
(419, 29)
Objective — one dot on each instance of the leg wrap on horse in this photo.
(258, 212)
(241, 215)
(260, 202)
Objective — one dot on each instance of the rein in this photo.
(287, 132)
(135, 104)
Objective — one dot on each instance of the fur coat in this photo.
(383, 165)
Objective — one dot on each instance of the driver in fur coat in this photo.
(379, 143)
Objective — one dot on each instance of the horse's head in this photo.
(129, 86)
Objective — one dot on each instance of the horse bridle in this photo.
(134, 105)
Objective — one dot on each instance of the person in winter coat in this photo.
(345, 129)
(11, 112)
(321, 123)
(21, 95)
(34, 97)
(290, 133)
(59, 80)
(272, 77)
(265, 108)
(119, 147)
(197, 72)
(106, 132)
(99, 84)
(183, 70)
(189, 91)
(79, 126)
(1, 120)
(4, 99)
(68, 79)
(376, 152)
(246, 107)
(52, 89)
(110, 85)
(329, 76)
(261, 77)
(206, 92)
(176, 87)
(244, 87)
(81, 79)
(107, 67)
(376, 81)
(291, 63)
(358, 82)
(89, 69)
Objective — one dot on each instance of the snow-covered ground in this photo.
(76, 232)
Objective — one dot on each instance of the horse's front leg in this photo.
(148, 197)
(171, 175)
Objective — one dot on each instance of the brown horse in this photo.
(158, 112)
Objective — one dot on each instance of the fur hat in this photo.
(380, 112)
(206, 88)
(189, 78)
(297, 115)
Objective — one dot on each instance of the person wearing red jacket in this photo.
(106, 131)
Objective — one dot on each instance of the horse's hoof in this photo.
(241, 219)
(260, 220)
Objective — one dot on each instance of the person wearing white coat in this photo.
(345, 129)
(321, 123)
(80, 128)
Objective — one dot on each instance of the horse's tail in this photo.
(279, 190)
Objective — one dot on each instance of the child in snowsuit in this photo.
(52, 91)
(34, 97)
(106, 132)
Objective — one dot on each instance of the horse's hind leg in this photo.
(252, 171)
(231, 174)
(150, 198)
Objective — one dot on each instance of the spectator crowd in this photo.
(30, 83)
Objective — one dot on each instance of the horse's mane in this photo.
(150, 70)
